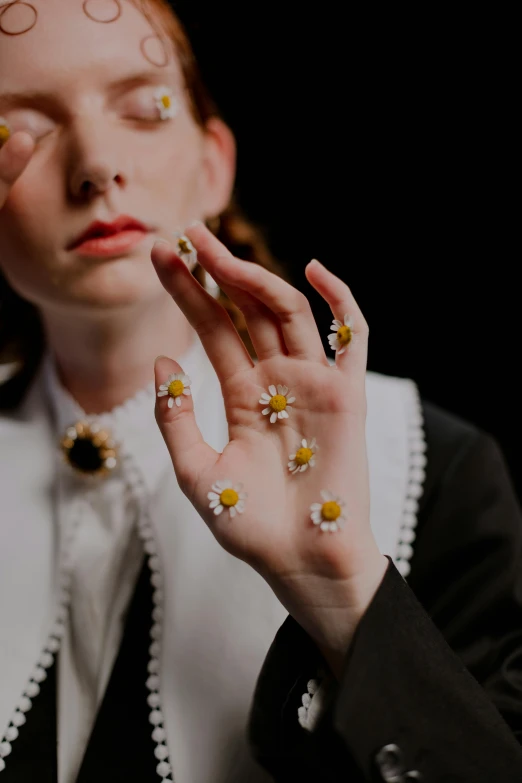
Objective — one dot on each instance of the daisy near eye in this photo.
(175, 387)
(166, 102)
(5, 131)
(329, 515)
(227, 496)
(303, 458)
(341, 335)
(277, 402)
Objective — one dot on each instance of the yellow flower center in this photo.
(278, 403)
(175, 388)
(165, 99)
(229, 497)
(184, 246)
(331, 510)
(344, 335)
(4, 134)
(303, 456)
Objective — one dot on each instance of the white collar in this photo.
(132, 424)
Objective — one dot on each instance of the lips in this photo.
(99, 229)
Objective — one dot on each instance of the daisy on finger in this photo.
(226, 495)
(277, 401)
(329, 515)
(186, 250)
(341, 336)
(176, 386)
(303, 458)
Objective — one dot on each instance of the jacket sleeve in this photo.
(432, 684)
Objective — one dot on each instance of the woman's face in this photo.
(84, 88)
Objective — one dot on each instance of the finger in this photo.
(14, 157)
(260, 322)
(342, 303)
(289, 306)
(188, 451)
(219, 337)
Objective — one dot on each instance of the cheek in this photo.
(175, 172)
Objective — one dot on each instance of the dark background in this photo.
(379, 143)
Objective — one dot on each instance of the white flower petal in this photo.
(164, 387)
(341, 350)
(232, 511)
(316, 507)
(303, 467)
(304, 443)
(283, 390)
(178, 401)
(325, 526)
(289, 408)
(272, 389)
(273, 418)
(187, 391)
(290, 400)
(291, 456)
(333, 527)
(316, 520)
(240, 507)
(162, 393)
(214, 503)
(213, 496)
(292, 464)
(265, 397)
(171, 402)
(312, 462)
(218, 510)
(185, 380)
(312, 443)
(283, 414)
(347, 320)
(266, 411)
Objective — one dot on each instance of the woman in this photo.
(117, 666)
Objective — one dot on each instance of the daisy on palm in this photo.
(303, 458)
(277, 402)
(226, 495)
(329, 515)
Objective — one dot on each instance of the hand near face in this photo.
(15, 154)
(306, 531)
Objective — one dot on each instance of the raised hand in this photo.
(307, 532)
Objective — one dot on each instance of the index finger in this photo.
(14, 157)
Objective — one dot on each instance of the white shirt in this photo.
(106, 557)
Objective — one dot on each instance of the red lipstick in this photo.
(103, 239)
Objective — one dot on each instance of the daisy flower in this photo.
(330, 514)
(5, 131)
(226, 495)
(166, 102)
(341, 335)
(186, 250)
(277, 402)
(303, 458)
(175, 387)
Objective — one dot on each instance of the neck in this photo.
(104, 361)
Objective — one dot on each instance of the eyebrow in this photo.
(116, 87)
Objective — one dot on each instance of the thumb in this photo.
(174, 412)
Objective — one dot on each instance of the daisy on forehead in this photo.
(175, 387)
(277, 401)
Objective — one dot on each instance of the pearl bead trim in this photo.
(416, 477)
(52, 646)
(138, 488)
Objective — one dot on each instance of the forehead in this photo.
(71, 42)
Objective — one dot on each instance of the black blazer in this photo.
(432, 683)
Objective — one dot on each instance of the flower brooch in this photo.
(175, 387)
(277, 402)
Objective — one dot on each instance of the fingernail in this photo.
(160, 242)
(195, 223)
(161, 356)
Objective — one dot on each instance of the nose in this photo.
(94, 167)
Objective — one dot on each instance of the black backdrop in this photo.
(378, 143)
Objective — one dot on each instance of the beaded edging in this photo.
(416, 476)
